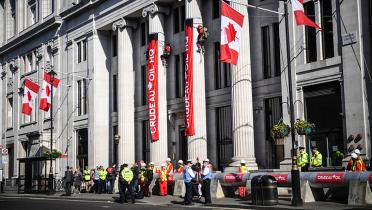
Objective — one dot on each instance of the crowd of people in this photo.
(137, 181)
(355, 164)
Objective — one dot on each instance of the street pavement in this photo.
(10, 201)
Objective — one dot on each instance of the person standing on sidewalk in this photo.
(149, 175)
(316, 159)
(163, 186)
(188, 175)
(207, 176)
(126, 177)
(69, 177)
(110, 177)
(102, 179)
(303, 160)
(170, 178)
(78, 179)
(87, 177)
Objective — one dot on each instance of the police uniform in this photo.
(188, 175)
(303, 160)
(316, 160)
(206, 177)
(126, 177)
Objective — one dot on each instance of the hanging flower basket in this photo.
(279, 131)
(303, 127)
(53, 154)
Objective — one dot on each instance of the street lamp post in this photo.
(295, 173)
(116, 141)
(52, 74)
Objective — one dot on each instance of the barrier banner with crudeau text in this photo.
(189, 106)
(152, 79)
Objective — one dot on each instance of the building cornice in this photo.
(154, 9)
(30, 34)
(79, 8)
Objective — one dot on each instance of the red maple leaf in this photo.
(230, 33)
(47, 89)
(29, 96)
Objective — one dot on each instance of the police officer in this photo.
(126, 178)
(303, 159)
(316, 159)
(207, 176)
(102, 180)
(188, 175)
(243, 168)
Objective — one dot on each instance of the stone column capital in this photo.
(123, 23)
(13, 65)
(153, 9)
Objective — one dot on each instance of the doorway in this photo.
(323, 107)
(182, 145)
(82, 148)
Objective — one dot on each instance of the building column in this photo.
(242, 101)
(197, 144)
(159, 148)
(126, 147)
(99, 99)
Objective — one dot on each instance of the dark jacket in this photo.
(78, 178)
(69, 176)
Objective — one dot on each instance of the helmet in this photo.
(353, 155)
(206, 160)
(357, 151)
(163, 165)
(143, 164)
(242, 161)
(152, 163)
(180, 161)
(168, 159)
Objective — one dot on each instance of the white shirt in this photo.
(191, 172)
(206, 170)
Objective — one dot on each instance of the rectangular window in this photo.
(216, 8)
(266, 51)
(327, 26)
(277, 49)
(144, 84)
(114, 46)
(29, 63)
(85, 50)
(10, 112)
(273, 113)
(144, 33)
(79, 51)
(176, 20)
(310, 33)
(82, 97)
(115, 93)
(224, 136)
(222, 70)
(179, 19)
(180, 75)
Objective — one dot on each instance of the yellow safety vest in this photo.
(102, 174)
(317, 159)
(303, 159)
(243, 169)
(163, 177)
(127, 174)
(87, 176)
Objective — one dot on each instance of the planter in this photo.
(304, 131)
(279, 141)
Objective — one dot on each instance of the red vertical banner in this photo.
(152, 79)
(189, 106)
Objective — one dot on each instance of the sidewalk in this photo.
(284, 203)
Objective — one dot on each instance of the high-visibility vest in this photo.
(303, 159)
(180, 169)
(316, 159)
(142, 175)
(163, 176)
(358, 165)
(169, 168)
(243, 169)
(102, 174)
(87, 176)
(127, 174)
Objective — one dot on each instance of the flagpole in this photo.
(256, 7)
(295, 173)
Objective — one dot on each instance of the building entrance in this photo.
(324, 109)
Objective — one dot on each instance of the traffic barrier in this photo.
(313, 184)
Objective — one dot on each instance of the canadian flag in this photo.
(30, 93)
(231, 29)
(301, 18)
(45, 99)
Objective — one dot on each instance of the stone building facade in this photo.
(98, 47)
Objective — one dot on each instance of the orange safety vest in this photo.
(169, 168)
(180, 169)
(356, 165)
(162, 175)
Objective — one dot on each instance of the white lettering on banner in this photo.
(329, 178)
(187, 85)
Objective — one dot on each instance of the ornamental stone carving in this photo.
(121, 23)
(153, 9)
